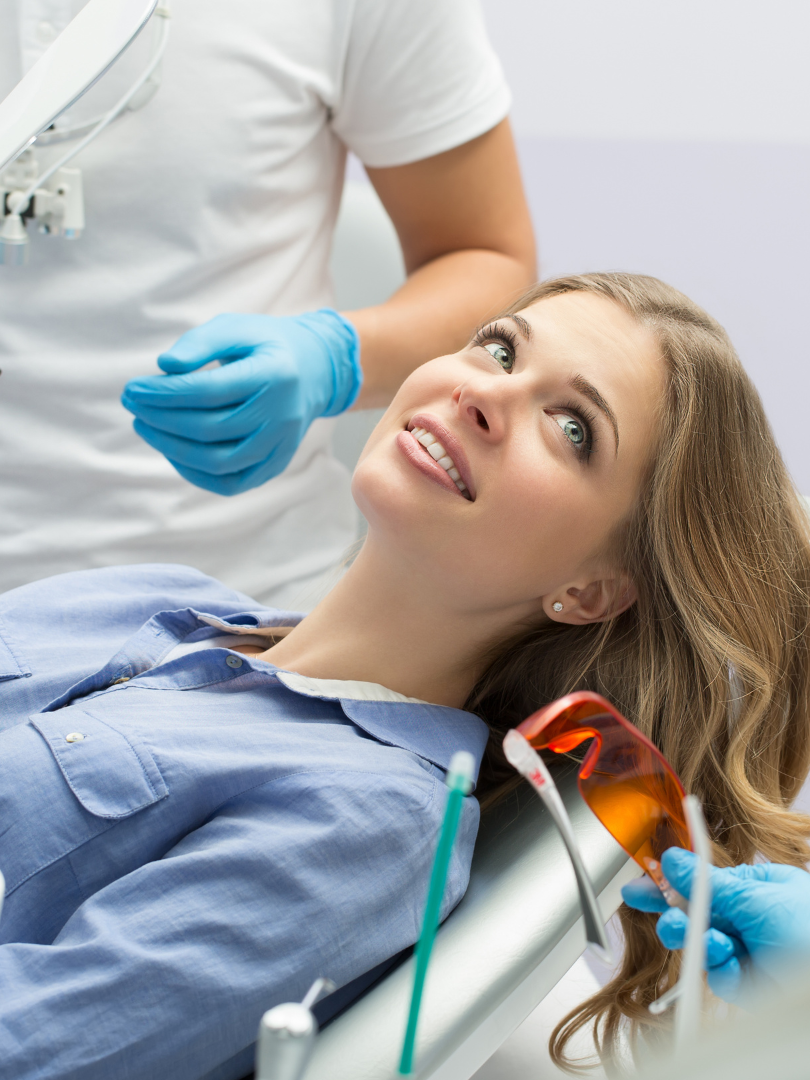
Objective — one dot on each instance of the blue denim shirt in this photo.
(222, 833)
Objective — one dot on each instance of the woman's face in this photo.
(547, 421)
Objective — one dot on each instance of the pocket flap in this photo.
(10, 665)
(111, 776)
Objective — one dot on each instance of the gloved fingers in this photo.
(204, 425)
(725, 980)
(679, 866)
(237, 482)
(720, 948)
(231, 484)
(219, 459)
(210, 389)
(671, 928)
(170, 366)
(644, 895)
(225, 337)
(216, 459)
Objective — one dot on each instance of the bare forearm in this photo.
(467, 242)
(432, 314)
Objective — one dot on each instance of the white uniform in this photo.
(219, 195)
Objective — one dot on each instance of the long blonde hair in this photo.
(713, 660)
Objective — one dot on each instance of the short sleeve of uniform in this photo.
(419, 77)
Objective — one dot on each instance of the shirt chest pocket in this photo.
(87, 777)
(110, 775)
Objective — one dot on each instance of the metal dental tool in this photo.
(287, 1036)
(688, 990)
(81, 54)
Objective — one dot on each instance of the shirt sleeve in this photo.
(420, 77)
(167, 971)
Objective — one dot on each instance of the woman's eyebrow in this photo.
(588, 390)
(578, 382)
(522, 325)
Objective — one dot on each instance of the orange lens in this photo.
(624, 779)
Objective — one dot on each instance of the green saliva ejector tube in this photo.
(459, 782)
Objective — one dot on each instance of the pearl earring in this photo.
(557, 605)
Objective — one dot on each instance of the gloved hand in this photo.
(760, 919)
(234, 427)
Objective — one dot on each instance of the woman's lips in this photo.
(432, 449)
(453, 448)
(438, 452)
(421, 459)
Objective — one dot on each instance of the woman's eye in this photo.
(573, 429)
(501, 354)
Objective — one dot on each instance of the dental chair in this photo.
(511, 939)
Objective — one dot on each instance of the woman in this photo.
(711, 660)
(193, 834)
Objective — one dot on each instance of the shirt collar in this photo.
(433, 732)
(338, 689)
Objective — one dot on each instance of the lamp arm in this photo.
(18, 201)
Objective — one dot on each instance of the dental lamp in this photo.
(88, 46)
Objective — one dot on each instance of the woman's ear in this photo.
(595, 602)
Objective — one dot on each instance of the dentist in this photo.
(220, 196)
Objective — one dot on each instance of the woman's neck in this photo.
(380, 626)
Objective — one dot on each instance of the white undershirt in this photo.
(221, 641)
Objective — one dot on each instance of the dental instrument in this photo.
(287, 1036)
(459, 781)
(688, 990)
(82, 53)
(529, 764)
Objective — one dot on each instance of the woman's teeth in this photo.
(439, 454)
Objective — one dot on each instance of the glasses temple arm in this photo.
(591, 913)
(526, 760)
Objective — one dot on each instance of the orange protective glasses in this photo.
(624, 779)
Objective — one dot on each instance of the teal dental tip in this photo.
(461, 773)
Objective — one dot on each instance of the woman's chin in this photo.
(384, 495)
(383, 500)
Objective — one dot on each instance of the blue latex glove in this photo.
(760, 920)
(232, 428)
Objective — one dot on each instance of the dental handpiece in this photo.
(287, 1036)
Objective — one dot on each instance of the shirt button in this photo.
(234, 661)
(74, 736)
(46, 32)
(124, 678)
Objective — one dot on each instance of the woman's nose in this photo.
(475, 413)
(481, 411)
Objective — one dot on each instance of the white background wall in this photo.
(710, 70)
(674, 138)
